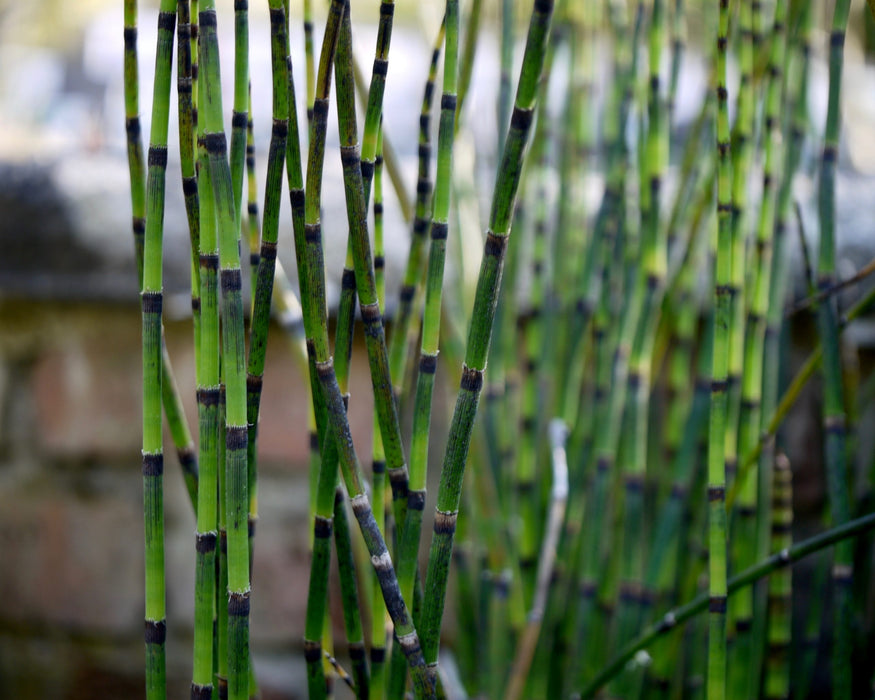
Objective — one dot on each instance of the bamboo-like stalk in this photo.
(323, 524)
(309, 59)
(311, 277)
(525, 502)
(428, 355)
(480, 330)
(264, 277)
(505, 87)
(351, 617)
(650, 285)
(185, 100)
(378, 461)
(208, 395)
(151, 299)
(755, 501)
(607, 229)
(833, 405)
(777, 681)
(252, 213)
(239, 113)
(403, 326)
(742, 548)
(374, 108)
(385, 407)
(171, 399)
(233, 365)
(716, 680)
(680, 615)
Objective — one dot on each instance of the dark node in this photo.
(156, 632)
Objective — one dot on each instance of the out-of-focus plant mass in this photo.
(614, 508)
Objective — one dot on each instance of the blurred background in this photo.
(71, 569)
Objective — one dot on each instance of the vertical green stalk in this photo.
(240, 114)
(208, 418)
(403, 327)
(432, 315)
(220, 659)
(264, 277)
(833, 404)
(742, 548)
(777, 684)
(525, 499)
(480, 331)
(356, 196)
(310, 65)
(233, 364)
(374, 108)
(171, 399)
(252, 201)
(716, 680)
(185, 100)
(151, 299)
(503, 106)
(378, 481)
(349, 591)
(311, 276)
(650, 284)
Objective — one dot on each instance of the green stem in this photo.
(680, 615)
(833, 405)
(152, 298)
(480, 331)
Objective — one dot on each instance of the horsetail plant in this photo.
(600, 323)
(403, 326)
(311, 276)
(834, 421)
(716, 679)
(233, 364)
(151, 299)
(678, 616)
(432, 313)
(480, 331)
(170, 397)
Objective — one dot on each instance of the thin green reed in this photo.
(680, 615)
(239, 113)
(209, 585)
(385, 407)
(525, 497)
(412, 525)
(378, 482)
(600, 299)
(480, 331)
(263, 281)
(208, 420)
(833, 405)
(170, 396)
(432, 313)
(650, 284)
(311, 276)
(742, 549)
(349, 591)
(404, 326)
(151, 299)
(185, 101)
(753, 496)
(716, 680)
(233, 363)
(252, 213)
(777, 680)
